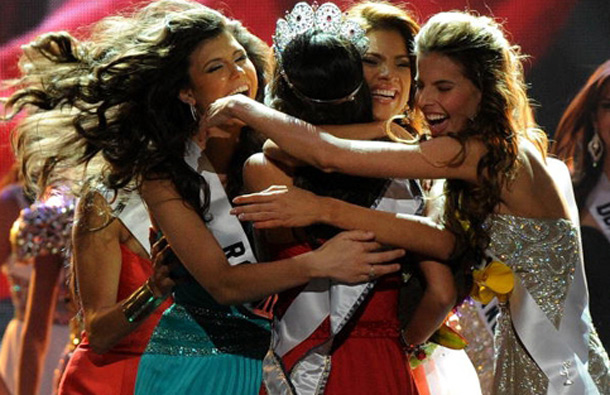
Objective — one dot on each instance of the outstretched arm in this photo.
(281, 206)
(345, 258)
(359, 131)
(364, 158)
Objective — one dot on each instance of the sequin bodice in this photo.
(543, 254)
(42, 229)
(196, 325)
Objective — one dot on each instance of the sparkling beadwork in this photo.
(43, 228)
(543, 254)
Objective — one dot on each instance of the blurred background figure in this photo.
(582, 140)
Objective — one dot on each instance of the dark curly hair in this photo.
(323, 66)
(109, 105)
(493, 65)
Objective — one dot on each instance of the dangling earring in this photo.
(194, 113)
(595, 148)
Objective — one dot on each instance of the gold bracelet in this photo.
(141, 303)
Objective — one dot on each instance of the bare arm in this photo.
(42, 298)
(438, 300)
(345, 258)
(260, 173)
(9, 212)
(97, 260)
(280, 206)
(364, 158)
(3, 388)
(360, 131)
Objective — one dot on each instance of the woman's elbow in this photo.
(447, 246)
(224, 295)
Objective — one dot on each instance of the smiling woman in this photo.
(123, 107)
(501, 200)
(448, 99)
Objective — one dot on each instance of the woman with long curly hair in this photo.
(500, 198)
(124, 105)
(582, 139)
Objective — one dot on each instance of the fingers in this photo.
(253, 208)
(385, 256)
(158, 245)
(161, 257)
(258, 217)
(264, 196)
(383, 269)
(357, 235)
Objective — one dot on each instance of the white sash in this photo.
(598, 204)
(226, 228)
(130, 209)
(133, 214)
(323, 299)
(562, 354)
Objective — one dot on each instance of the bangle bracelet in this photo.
(415, 350)
(141, 303)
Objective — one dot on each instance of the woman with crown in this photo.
(501, 201)
(326, 336)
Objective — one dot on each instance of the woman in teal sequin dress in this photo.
(210, 341)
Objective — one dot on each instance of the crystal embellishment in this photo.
(326, 18)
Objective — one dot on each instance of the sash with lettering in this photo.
(319, 300)
(598, 204)
(226, 228)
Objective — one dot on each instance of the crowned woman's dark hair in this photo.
(320, 79)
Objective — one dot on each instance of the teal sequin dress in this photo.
(202, 347)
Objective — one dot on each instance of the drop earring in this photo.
(595, 148)
(194, 113)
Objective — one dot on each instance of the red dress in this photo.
(367, 356)
(114, 372)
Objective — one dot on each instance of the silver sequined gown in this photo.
(543, 254)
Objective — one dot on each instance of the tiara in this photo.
(326, 18)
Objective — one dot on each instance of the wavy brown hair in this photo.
(383, 15)
(576, 129)
(109, 104)
(478, 44)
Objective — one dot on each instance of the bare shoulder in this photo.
(93, 214)
(261, 172)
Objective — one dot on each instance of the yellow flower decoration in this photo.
(496, 279)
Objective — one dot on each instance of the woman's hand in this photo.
(354, 257)
(163, 260)
(280, 206)
(223, 112)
